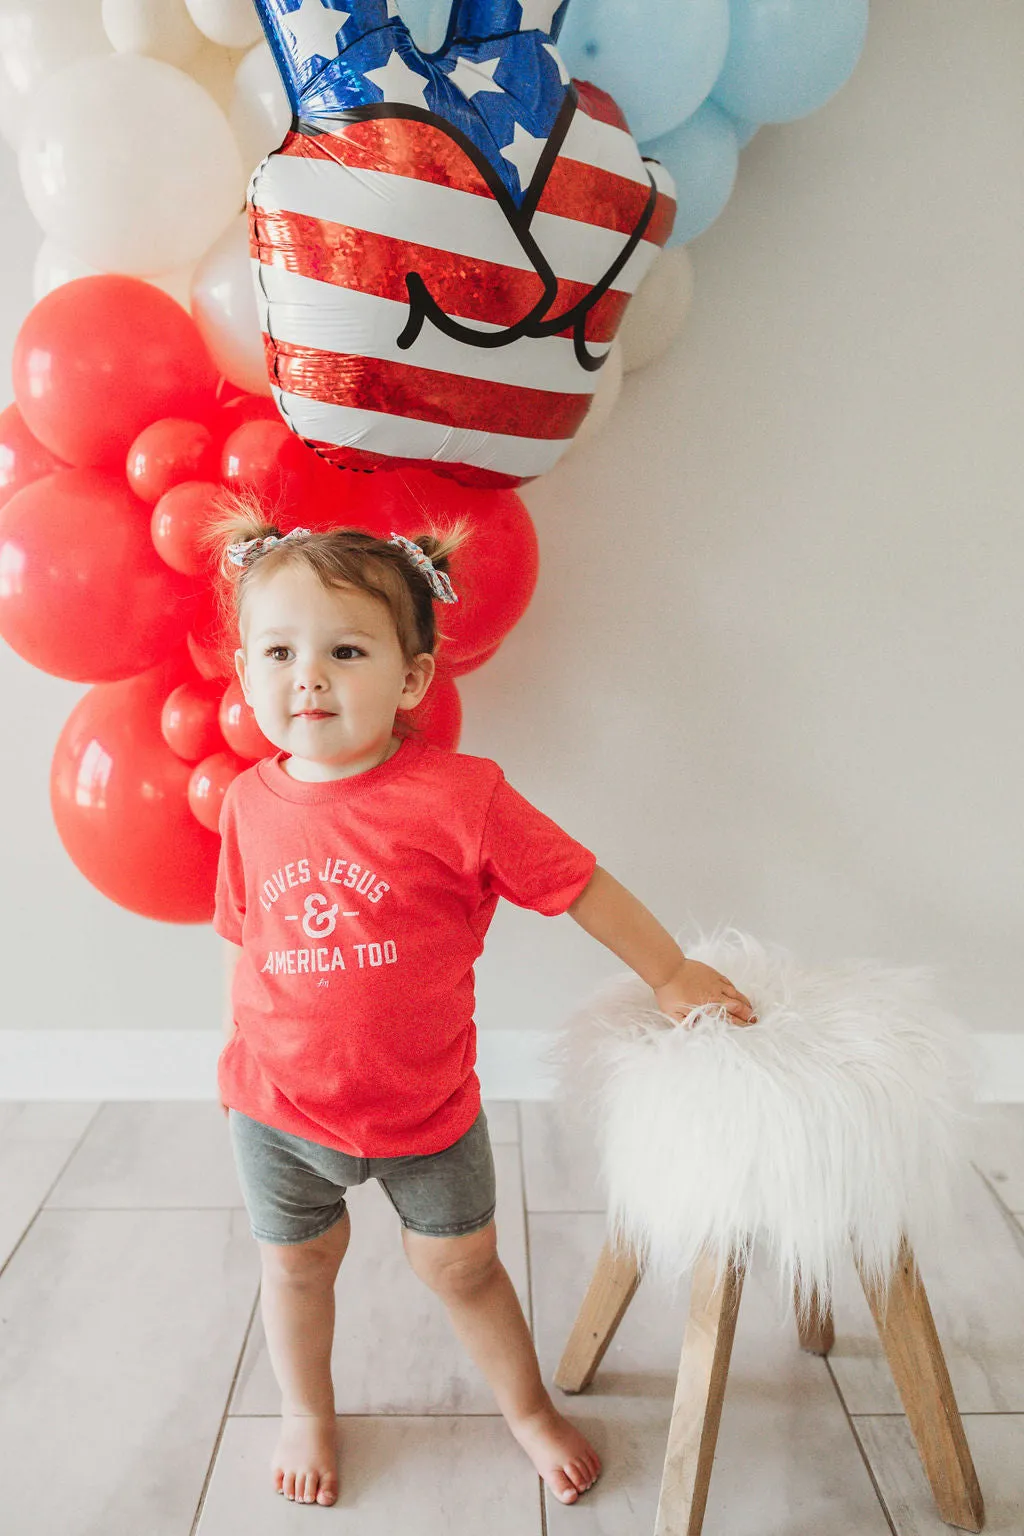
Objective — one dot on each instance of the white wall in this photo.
(771, 670)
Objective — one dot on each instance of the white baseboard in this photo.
(162, 1064)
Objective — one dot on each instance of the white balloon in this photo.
(260, 112)
(605, 399)
(214, 69)
(12, 113)
(232, 23)
(224, 308)
(161, 29)
(54, 265)
(658, 308)
(127, 162)
(38, 37)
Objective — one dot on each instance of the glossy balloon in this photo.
(55, 265)
(102, 357)
(167, 452)
(445, 243)
(206, 787)
(82, 592)
(231, 23)
(161, 29)
(188, 720)
(179, 518)
(264, 457)
(119, 797)
(22, 456)
(223, 304)
(787, 57)
(659, 311)
(261, 113)
(238, 725)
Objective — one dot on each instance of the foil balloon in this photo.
(445, 243)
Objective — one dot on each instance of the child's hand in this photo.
(694, 983)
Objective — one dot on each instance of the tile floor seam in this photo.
(56, 1180)
(860, 1447)
(219, 1437)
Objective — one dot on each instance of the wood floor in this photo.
(136, 1397)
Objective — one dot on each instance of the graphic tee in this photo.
(361, 905)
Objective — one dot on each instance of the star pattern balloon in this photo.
(445, 243)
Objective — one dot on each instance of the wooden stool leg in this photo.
(611, 1290)
(907, 1331)
(817, 1334)
(697, 1409)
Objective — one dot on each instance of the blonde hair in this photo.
(336, 556)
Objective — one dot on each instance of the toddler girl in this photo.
(359, 870)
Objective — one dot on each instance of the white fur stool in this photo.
(836, 1121)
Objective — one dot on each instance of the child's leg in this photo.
(297, 1306)
(485, 1313)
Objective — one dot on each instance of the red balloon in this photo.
(234, 412)
(263, 456)
(238, 725)
(439, 714)
(82, 592)
(119, 797)
(167, 452)
(188, 720)
(178, 519)
(460, 668)
(494, 573)
(22, 457)
(206, 787)
(101, 357)
(210, 661)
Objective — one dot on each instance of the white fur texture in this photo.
(839, 1119)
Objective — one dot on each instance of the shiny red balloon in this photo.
(99, 358)
(438, 714)
(82, 592)
(188, 720)
(22, 457)
(233, 412)
(167, 452)
(210, 661)
(238, 725)
(206, 787)
(178, 519)
(495, 571)
(470, 664)
(119, 797)
(264, 457)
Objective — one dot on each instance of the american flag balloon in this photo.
(445, 243)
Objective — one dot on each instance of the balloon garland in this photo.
(141, 377)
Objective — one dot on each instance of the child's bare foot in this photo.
(564, 1457)
(305, 1461)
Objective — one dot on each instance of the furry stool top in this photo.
(838, 1119)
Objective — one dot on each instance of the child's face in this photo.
(305, 648)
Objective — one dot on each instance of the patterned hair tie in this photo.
(441, 586)
(251, 549)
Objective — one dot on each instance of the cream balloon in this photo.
(128, 163)
(224, 308)
(214, 69)
(231, 23)
(54, 265)
(658, 309)
(260, 112)
(39, 37)
(605, 399)
(161, 29)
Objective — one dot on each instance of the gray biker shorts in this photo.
(294, 1190)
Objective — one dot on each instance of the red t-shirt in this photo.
(361, 905)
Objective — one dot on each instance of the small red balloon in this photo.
(265, 457)
(178, 519)
(119, 797)
(82, 592)
(167, 452)
(238, 725)
(99, 358)
(234, 412)
(470, 664)
(206, 787)
(210, 661)
(188, 720)
(438, 714)
(22, 457)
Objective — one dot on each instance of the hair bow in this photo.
(251, 549)
(439, 582)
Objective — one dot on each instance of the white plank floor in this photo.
(136, 1398)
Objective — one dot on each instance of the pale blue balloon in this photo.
(658, 58)
(744, 130)
(701, 155)
(787, 57)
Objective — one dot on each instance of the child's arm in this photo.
(615, 917)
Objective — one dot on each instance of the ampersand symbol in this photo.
(316, 922)
(446, 242)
